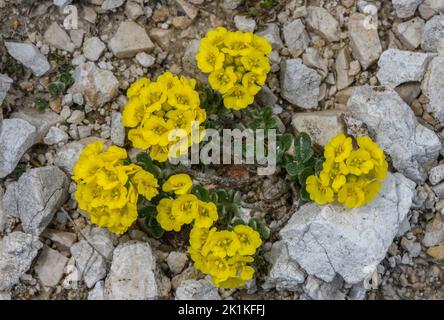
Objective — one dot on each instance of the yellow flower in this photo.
(238, 98)
(351, 195)
(139, 138)
(178, 183)
(135, 88)
(198, 236)
(370, 188)
(109, 176)
(159, 153)
(156, 130)
(91, 150)
(377, 155)
(218, 267)
(261, 44)
(185, 208)
(206, 214)
(114, 198)
(167, 220)
(319, 190)
(221, 244)
(146, 184)
(200, 262)
(238, 43)
(214, 37)
(253, 81)
(334, 173)
(114, 154)
(222, 80)
(153, 96)
(168, 79)
(338, 148)
(133, 113)
(249, 239)
(183, 98)
(209, 58)
(256, 63)
(359, 162)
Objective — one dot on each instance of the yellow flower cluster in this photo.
(237, 63)
(224, 255)
(161, 113)
(351, 177)
(107, 189)
(172, 214)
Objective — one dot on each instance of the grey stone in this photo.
(409, 91)
(5, 296)
(17, 251)
(323, 23)
(130, 39)
(405, 8)
(145, 60)
(272, 34)
(398, 66)
(58, 38)
(299, 84)
(2, 212)
(197, 290)
(342, 67)
(77, 116)
(285, 274)
(50, 266)
(330, 240)
(62, 239)
(434, 232)
(55, 135)
(93, 48)
(5, 84)
(295, 37)
(432, 87)
(266, 97)
(364, 40)
(176, 261)
(410, 32)
(231, 4)
(133, 273)
(36, 197)
(28, 55)
(133, 10)
(391, 121)
(439, 190)
(436, 174)
(16, 137)
(117, 129)
(42, 121)
(97, 86)
(92, 261)
(435, 5)
(413, 247)
(433, 35)
(319, 290)
(97, 292)
(112, 4)
(322, 126)
(190, 10)
(244, 23)
(61, 3)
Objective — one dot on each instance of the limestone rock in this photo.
(322, 22)
(28, 55)
(410, 32)
(130, 39)
(405, 8)
(432, 87)
(58, 38)
(433, 35)
(5, 84)
(50, 266)
(296, 38)
(342, 66)
(93, 48)
(197, 290)
(272, 34)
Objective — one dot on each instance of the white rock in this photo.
(36, 197)
(432, 87)
(112, 4)
(61, 3)
(435, 5)
(329, 240)
(342, 67)
(28, 55)
(295, 37)
(77, 116)
(97, 292)
(16, 137)
(322, 126)
(50, 266)
(17, 251)
(434, 232)
(398, 66)
(3, 217)
(190, 10)
(84, 131)
(55, 135)
(392, 122)
(319, 290)
(231, 4)
(130, 39)
(364, 40)
(92, 262)
(98, 86)
(405, 8)
(93, 48)
(272, 34)
(145, 60)
(244, 23)
(132, 275)
(5, 296)
(323, 23)
(5, 84)
(433, 35)
(299, 84)
(176, 261)
(58, 38)
(117, 129)
(410, 32)
(285, 274)
(133, 10)
(436, 174)
(197, 290)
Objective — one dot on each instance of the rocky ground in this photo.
(351, 65)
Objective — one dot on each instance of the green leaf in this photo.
(285, 141)
(147, 211)
(154, 227)
(294, 168)
(260, 227)
(41, 104)
(238, 221)
(148, 165)
(302, 143)
(304, 174)
(304, 194)
(201, 192)
(319, 164)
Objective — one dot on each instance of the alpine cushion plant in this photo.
(237, 63)
(350, 177)
(108, 188)
(157, 110)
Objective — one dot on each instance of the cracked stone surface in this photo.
(412, 146)
(432, 87)
(197, 290)
(36, 197)
(17, 251)
(329, 240)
